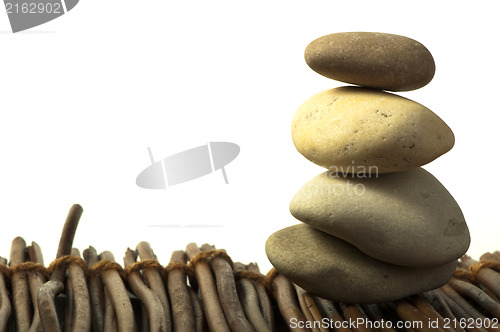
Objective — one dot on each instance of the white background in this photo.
(83, 96)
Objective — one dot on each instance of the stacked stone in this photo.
(376, 226)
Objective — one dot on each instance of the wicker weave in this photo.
(202, 289)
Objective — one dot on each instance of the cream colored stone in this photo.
(352, 129)
(405, 218)
(376, 60)
(333, 269)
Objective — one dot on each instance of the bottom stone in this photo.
(334, 269)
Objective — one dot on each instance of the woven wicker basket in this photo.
(202, 289)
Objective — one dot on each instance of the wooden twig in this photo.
(438, 301)
(485, 276)
(70, 303)
(329, 310)
(69, 230)
(182, 305)
(110, 319)
(20, 289)
(212, 307)
(35, 280)
(388, 310)
(144, 318)
(154, 280)
(489, 257)
(285, 295)
(96, 291)
(457, 308)
(409, 313)
(78, 296)
(311, 303)
(70, 299)
(375, 314)
(266, 306)
(477, 295)
(66, 240)
(425, 307)
(154, 307)
(353, 313)
(303, 306)
(199, 317)
(47, 307)
(55, 285)
(250, 301)
(452, 294)
(226, 288)
(118, 296)
(310, 310)
(5, 306)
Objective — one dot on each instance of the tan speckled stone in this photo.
(351, 129)
(405, 218)
(376, 60)
(333, 269)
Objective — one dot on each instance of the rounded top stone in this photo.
(376, 60)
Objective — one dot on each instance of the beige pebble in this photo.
(405, 218)
(352, 129)
(376, 60)
(333, 269)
